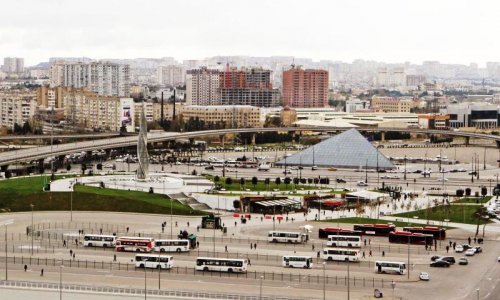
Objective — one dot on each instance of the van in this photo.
(449, 259)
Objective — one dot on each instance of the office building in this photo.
(391, 104)
(103, 78)
(478, 115)
(232, 116)
(305, 88)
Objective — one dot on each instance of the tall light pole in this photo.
(159, 270)
(348, 280)
(408, 266)
(171, 219)
(145, 281)
(60, 281)
(32, 228)
(477, 293)
(393, 286)
(72, 187)
(5, 223)
(324, 280)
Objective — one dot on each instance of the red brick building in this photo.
(305, 88)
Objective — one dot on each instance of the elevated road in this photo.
(59, 136)
(118, 142)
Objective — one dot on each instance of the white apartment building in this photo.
(172, 75)
(202, 87)
(16, 107)
(103, 78)
(354, 105)
(13, 65)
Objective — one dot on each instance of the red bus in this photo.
(438, 232)
(325, 232)
(134, 244)
(405, 237)
(375, 229)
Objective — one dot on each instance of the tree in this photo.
(267, 182)
(242, 182)
(467, 191)
(277, 181)
(460, 193)
(481, 214)
(84, 168)
(287, 181)
(484, 191)
(255, 180)
(68, 167)
(296, 180)
(216, 178)
(229, 181)
(99, 166)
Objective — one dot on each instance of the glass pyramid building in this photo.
(346, 150)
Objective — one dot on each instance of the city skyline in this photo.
(458, 32)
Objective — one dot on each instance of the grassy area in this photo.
(454, 213)
(17, 195)
(474, 200)
(261, 186)
(369, 221)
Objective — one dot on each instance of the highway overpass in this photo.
(42, 152)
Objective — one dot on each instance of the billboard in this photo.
(127, 114)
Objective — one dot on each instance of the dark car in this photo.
(435, 257)
(449, 259)
(463, 261)
(477, 249)
(466, 246)
(209, 167)
(340, 180)
(441, 264)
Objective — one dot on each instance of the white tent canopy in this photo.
(367, 195)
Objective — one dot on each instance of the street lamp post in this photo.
(348, 280)
(393, 286)
(32, 228)
(260, 287)
(408, 266)
(5, 223)
(477, 293)
(324, 280)
(60, 281)
(145, 281)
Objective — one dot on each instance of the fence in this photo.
(133, 291)
(371, 282)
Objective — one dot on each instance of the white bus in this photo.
(341, 254)
(344, 241)
(297, 261)
(221, 264)
(98, 240)
(134, 244)
(153, 261)
(285, 237)
(171, 246)
(390, 267)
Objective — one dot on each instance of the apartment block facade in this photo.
(16, 107)
(391, 104)
(13, 65)
(172, 75)
(103, 78)
(239, 116)
(202, 87)
(305, 88)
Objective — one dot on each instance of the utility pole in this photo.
(32, 228)
(162, 116)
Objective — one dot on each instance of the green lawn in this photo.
(474, 200)
(369, 221)
(17, 194)
(454, 213)
(261, 186)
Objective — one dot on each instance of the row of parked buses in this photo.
(413, 235)
(138, 244)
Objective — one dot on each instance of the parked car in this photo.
(362, 183)
(459, 248)
(209, 167)
(435, 257)
(463, 261)
(470, 252)
(441, 264)
(340, 180)
(287, 171)
(477, 249)
(424, 276)
(466, 246)
(449, 259)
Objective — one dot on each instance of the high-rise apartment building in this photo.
(13, 65)
(305, 88)
(202, 87)
(171, 75)
(103, 78)
(16, 107)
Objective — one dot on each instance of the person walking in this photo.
(251, 246)
(114, 258)
(41, 272)
(74, 255)
(225, 247)
(25, 268)
(370, 253)
(364, 254)
(469, 240)
(255, 246)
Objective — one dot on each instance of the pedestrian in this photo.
(317, 255)
(447, 248)
(454, 245)
(114, 257)
(25, 268)
(261, 219)
(41, 272)
(127, 229)
(175, 223)
(162, 229)
(249, 263)
(76, 242)
(450, 243)
(64, 243)
(475, 239)
(188, 224)
(363, 254)
(70, 252)
(100, 230)
(251, 246)
(365, 242)
(383, 253)
(225, 247)
(255, 246)
(74, 255)
(370, 253)
(469, 240)
(197, 244)
(235, 223)
(313, 247)
(425, 247)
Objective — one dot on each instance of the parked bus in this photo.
(344, 241)
(285, 237)
(297, 262)
(153, 261)
(221, 264)
(135, 244)
(438, 232)
(390, 267)
(405, 237)
(341, 254)
(99, 240)
(171, 246)
(375, 229)
(325, 232)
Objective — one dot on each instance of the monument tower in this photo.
(142, 147)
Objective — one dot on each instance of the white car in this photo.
(470, 252)
(459, 249)
(441, 179)
(362, 183)
(424, 276)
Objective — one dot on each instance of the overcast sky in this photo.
(450, 31)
